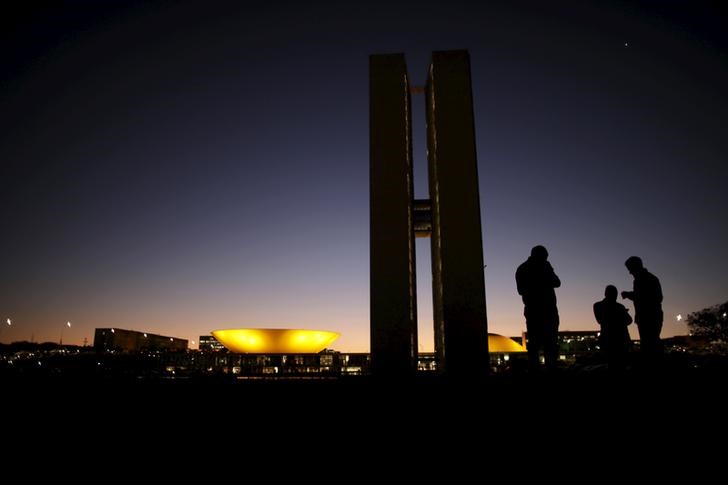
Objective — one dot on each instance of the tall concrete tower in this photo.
(451, 217)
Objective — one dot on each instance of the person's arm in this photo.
(628, 294)
(625, 315)
(555, 281)
(657, 290)
(597, 313)
(520, 284)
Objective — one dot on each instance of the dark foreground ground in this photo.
(521, 399)
(671, 420)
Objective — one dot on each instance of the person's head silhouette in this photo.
(634, 265)
(610, 293)
(539, 253)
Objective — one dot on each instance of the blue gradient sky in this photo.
(177, 168)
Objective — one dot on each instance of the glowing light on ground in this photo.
(499, 343)
(275, 340)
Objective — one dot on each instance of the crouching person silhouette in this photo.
(613, 318)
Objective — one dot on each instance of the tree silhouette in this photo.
(711, 323)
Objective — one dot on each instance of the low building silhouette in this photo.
(329, 363)
(572, 343)
(117, 339)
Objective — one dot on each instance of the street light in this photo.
(68, 324)
(10, 324)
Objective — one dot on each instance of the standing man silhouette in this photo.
(647, 297)
(536, 280)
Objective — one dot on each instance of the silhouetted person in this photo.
(647, 297)
(613, 318)
(536, 280)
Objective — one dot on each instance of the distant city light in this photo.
(112, 331)
(10, 322)
(145, 335)
(626, 44)
(69, 324)
(724, 315)
(679, 317)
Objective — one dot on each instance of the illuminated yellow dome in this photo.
(274, 340)
(499, 343)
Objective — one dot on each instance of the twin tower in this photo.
(450, 217)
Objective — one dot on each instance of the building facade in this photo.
(117, 339)
(208, 343)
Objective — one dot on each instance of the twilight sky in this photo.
(180, 167)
